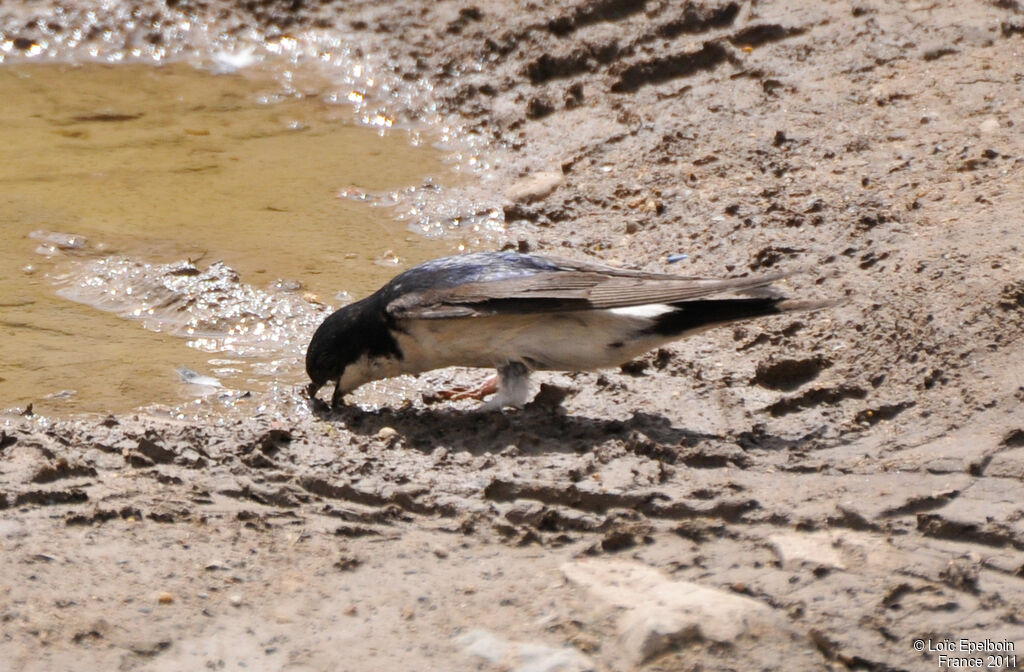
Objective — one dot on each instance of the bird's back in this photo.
(478, 267)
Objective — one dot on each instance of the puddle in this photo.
(143, 168)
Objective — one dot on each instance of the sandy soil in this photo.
(834, 488)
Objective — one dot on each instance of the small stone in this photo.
(148, 648)
(387, 433)
(347, 562)
(539, 107)
(235, 600)
(990, 125)
(550, 397)
(535, 187)
(163, 597)
(798, 548)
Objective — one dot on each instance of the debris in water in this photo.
(193, 378)
(283, 285)
(53, 242)
(389, 258)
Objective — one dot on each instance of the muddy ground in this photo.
(826, 491)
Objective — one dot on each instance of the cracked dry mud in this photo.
(853, 475)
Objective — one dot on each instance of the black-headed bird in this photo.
(519, 313)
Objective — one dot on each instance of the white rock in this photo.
(990, 125)
(797, 548)
(535, 187)
(522, 656)
(660, 613)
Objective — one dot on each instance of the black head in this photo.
(346, 336)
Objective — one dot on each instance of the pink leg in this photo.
(490, 386)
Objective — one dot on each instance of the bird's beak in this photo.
(312, 389)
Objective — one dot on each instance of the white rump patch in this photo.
(648, 310)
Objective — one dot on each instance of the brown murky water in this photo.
(160, 164)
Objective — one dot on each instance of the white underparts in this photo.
(571, 341)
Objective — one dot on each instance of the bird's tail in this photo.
(691, 316)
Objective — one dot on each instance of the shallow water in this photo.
(145, 166)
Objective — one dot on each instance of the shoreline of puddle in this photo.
(126, 324)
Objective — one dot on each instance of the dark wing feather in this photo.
(574, 286)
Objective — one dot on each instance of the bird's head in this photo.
(353, 346)
(325, 359)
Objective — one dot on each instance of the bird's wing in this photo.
(573, 286)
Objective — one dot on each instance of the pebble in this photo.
(990, 125)
(534, 187)
(163, 597)
(387, 433)
(795, 549)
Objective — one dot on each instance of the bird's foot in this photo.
(513, 387)
(490, 386)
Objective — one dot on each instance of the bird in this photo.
(520, 313)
